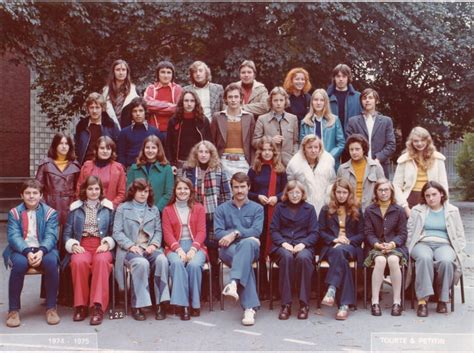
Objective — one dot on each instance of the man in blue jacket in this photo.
(32, 234)
(238, 224)
(344, 99)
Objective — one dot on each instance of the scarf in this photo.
(271, 192)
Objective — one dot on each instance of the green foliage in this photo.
(465, 166)
(417, 55)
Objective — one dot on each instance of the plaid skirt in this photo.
(369, 260)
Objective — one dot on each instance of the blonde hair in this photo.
(327, 114)
(425, 159)
(193, 161)
(288, 83)
(274, 92)
(310, 139)
(294, 184)
(276, 160)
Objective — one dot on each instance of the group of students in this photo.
(197, 180)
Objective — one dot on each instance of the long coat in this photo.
(383, 137)
(58, 186)
(125, 117)
(267, 125)
(385, 229)
(126, 229)
(329, 230)
(294, 228)
(160, 177)
(74, 227)
(258, 100)
(404, 179)
(352, 105)
(454, 226)
(373, 171)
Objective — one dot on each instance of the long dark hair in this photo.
(189, 184)
(53, 153)
(351, 205)
(114, 90)
(198, 111)
(90, 180)
(139, 185)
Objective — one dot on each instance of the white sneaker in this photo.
(249, 317)
(231, 290)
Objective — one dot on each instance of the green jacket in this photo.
(160, 177)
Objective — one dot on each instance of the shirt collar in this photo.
(278, 117)
(145, 123)
(236, 116)
(245, 202)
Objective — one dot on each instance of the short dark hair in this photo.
(136, 102)
(359, 139)
(437, 186)
(344, 69)
(240, 177)
(165, 65)
(31, 183)
(368, 91)
(90, 180)
(140, 184)
(53, 153)
(109, 143)
(234, 87)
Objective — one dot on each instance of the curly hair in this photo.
(198, 111)
(276, 160)
(361, 140)
(288, 83)
(351, 205)
(160, 156)
(189, 184)
(139, 185)
(425, 159)
(193, 161)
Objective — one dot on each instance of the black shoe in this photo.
(396, 310)
(80, 313)
(138, 314)
(185, 313)
(97, 315)
(195, 312)
(285, 312)
(160, 312)
(441, 308)
(422, 310)
(375, 310)
(303, 312)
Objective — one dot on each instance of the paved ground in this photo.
(221, 330)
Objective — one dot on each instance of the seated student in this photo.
(267, 181)
(131, 137)
(184, 230)
(32, 235)
(153, 166)
(436, 241)
(294, 231)
(361, 171)
(110, 172)
(386, 233)
(281, 126)
(162, 95)
(342, 230)
(238, 224)
(137, 231)
(88, 240)
(96, 124)
(187, 127)
(119, 92)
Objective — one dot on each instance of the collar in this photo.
(158, 85)
(244, 204)
(145, 124)
(367, 116)
(205, 86)
(275, 116)
(234, 116)
(91, 123)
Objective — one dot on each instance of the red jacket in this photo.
(172, 228)
(161, 111)
(115, 190)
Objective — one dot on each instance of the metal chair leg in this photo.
(125, 283)
(403, 287)
(365, 287)
(318, 286)
(462, 288)
(452, 297)
(355, 286)
(271, 285)
(221, 282)
(211, 304)
(112, 282)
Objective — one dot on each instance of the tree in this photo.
(420, 70)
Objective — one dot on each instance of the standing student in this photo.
(212, 188)
(238, 225)
(32, 234)
(131, 137)
(361, 171)
(255, 94)
(96, 124)
(88, 241)
(344, 99)
(162, 95)
(386, 233)
(294, 233)
(137, 231)
(119, 92)
(419, 164)
(297, 84)
(313, 167)
(110, 172)
(342, 230)
(267, 181)
(187, 127)
(376, 128)
(153, 166)
(58, 173)
(322, 123)
(210, 94)
(232, 131)
(184, 231)
(281, 126)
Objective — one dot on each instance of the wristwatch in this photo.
(237, 234)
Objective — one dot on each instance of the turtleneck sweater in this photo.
(183, 214)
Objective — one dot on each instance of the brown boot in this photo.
(13, 319)
(52, 317)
